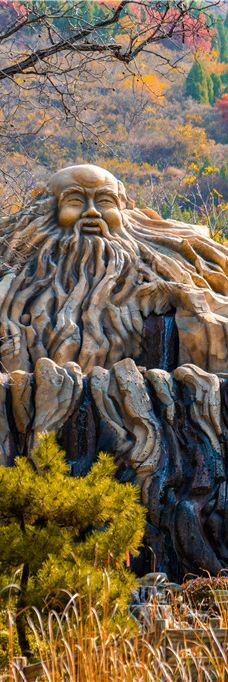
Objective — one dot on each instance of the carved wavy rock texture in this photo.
(124, 406)
(22, 403)
(74, 305)
(154, 447)
(64, 384)
(5, 440)
(206, 402)
(139, 413)
(76, 298)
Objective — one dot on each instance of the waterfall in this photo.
(168, 325)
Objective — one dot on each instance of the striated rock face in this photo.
(169, 432)
(114, 335)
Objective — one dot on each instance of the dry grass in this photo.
(73, 649)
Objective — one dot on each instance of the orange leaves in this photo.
(147, 83)
(154, 85)
(35, 192)
(211, 63)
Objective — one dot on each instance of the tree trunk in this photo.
(20, 619)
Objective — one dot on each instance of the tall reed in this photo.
(95, 648)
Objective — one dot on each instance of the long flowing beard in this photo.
(96, 324)
(75, 301)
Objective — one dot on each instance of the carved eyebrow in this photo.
(70, 191)
(109, 192)
(77, 189)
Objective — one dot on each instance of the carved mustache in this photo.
(94, 225)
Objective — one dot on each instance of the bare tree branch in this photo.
(40, 55)
(160, 32)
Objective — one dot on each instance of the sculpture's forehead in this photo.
(86, 175)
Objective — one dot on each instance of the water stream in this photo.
(168, 329)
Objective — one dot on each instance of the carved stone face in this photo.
(87, 197)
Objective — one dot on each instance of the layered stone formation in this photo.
(114, 335)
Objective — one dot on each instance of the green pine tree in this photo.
(210, 88)
(196, 85)
(222, 40)
(58, 532)
(217, 85)
(224, 79)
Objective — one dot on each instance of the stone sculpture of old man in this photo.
(103, 300)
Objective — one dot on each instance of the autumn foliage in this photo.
(222, 106)
(148, 120)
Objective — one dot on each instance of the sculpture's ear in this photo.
(125, 201)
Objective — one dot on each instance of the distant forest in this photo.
(158, 121)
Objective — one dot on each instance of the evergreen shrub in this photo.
(60, 534)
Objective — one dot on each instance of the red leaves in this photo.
(222, 105)
(177, 24)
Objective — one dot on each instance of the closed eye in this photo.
(75, 202)
(72, 200)
(105, 201)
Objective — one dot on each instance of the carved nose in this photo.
(91, 211)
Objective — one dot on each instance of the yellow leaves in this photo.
(194, 166)
(194, 139)
(122, 38)
(15, 206)
(25, 81)
(124, 168)
(149, 83)
(152, 81)
(125, 22)
(217, 193)
(19, 80)
(37, 117)
(31, 116)
(188, 132)
(219, 237)
(198, 172)
(189, 180)
(224, 207)
(210, 61)
(17, 157)
(210, 169)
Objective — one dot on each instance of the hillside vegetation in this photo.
(160, 124)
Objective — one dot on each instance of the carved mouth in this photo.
(90, 228)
